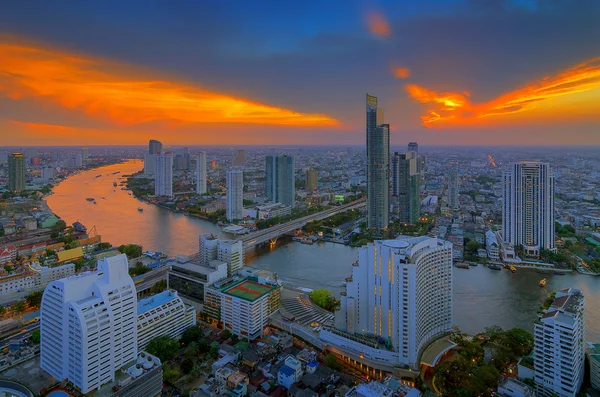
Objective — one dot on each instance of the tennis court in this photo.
(248, 290)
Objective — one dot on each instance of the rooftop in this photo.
(155, 301)
(287, 371)
(248, 289)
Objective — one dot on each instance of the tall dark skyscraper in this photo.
(378, 167)
(453, 186)
(280, 179)
(413, 147)
(154, 147)
(406, 186)
(16, 172)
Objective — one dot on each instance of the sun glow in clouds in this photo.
(113, 92)
(378, 24)
(451, 108)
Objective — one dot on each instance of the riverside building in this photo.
(235, 194)
(88, 325)
(163, 175)
(397, 301)
(378, 167)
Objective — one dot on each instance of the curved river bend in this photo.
(482, 297)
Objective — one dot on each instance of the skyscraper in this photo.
(154, 147)
(228, 251)
(163, 175)
(88, 325)
(528, 206)
(378, 165)
(400, 291)
(149, 164)
(84, 153)
(201, 173)
(16, 172)
(559, 347)
(311, 180)
(406, 186)
(413, 147)
(235, 194)
(240, 158)
(280, 179)
(453, 186)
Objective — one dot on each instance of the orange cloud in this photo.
(401, 73)
(128, 96)
(541, 100)
(378, 24)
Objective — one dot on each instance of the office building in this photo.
(593, 355)
(240, 158)
(245, 304)
(235, 194)
(85, 153)
(559, 348)
(149, 164)
(154, 147)
(510, 387)
(191, 279)
(48, 173)
(378, 165)
(201, 173)
(400, 292)
(528, 207)
(453, 186)
(280, 179)
(228, 251)
(187, 158)
(267, 211)
(413, 147)
(406, 187)
(311, 180)
(16, 172)
(78, 160)
(162, 314)
(89, 325)
(163, 175)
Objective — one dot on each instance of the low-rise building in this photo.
(163, 314)
(48, 274)
(17, 282)
(142, 377)
(491, 245)
(510, 387)
(8, 253)
(191, 279)
(267, 211)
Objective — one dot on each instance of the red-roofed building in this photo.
(8, 253)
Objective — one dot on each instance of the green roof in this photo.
(593, 241)
(248, 290)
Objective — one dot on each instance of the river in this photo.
(482, 297)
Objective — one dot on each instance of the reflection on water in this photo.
(482, 297)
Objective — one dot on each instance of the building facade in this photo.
(163, 175)
(406, 187)
(240, 158)
(16, 172)
(280, 179)
(163, 314)
(201, 173)
(235, 194)
(89, 325)
(155, 147)
(191, 280)
(378, 165)
(398, 299)
(149, 164)
(528, 206)
(311, 180)
(453, 187)
(559, 348)
(228, 251)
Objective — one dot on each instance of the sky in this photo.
(187, 72)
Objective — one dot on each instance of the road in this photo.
(271, 233)
(25, 334)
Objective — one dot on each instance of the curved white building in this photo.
(398, 299)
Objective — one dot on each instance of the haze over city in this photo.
(517, 72)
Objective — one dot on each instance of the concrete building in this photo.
(149, 164)
(89, 325)
(49, 274)
(48, 173)
(378, 165)
(235, 194)
(228, 251)
(559, 349)
(154, 147)
(163, 175)
(397, 301)
(85, 153)
(413, 147)
(312, 182)
(406, 187)
(201, 173)
(593, 355)
(245, 304)
(290, 372)
(163, 314)
(510, 387)
(141, 377)
(78, 160)
(453, 186)
(16, 172)
(528, 206)
(491, 246)
(191, 279)
(280, 179)
(240, 158)
(267, 211)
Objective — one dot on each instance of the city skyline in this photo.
(58, 87)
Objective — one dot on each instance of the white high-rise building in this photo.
(149, 164)
(201, 173)
(528, 206)
(235, 194)
(163, 175)
(400, 292)
(228, 251)
(559, 347)
(89, 325)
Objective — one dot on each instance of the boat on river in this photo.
(140, 209)
(90, 199)
(543, 282)
(513, 269)
(495, 267)
(115, 183)
(461, 265)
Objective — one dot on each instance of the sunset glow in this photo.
(535, 99)
(378, 24)
(123, 96)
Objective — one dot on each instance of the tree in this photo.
(2, 310)
(214, 352)
(8, 268)
(18, 307)
(131, 250)
(103, 246)
(190, 335)
(138, 269)
(34, 299)
(332, 362)
(35, 336)
(158, 287)
(187, 364)
(323, 298)
(59, 226)
(50, 252)
(164, 347)
(226, 334)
